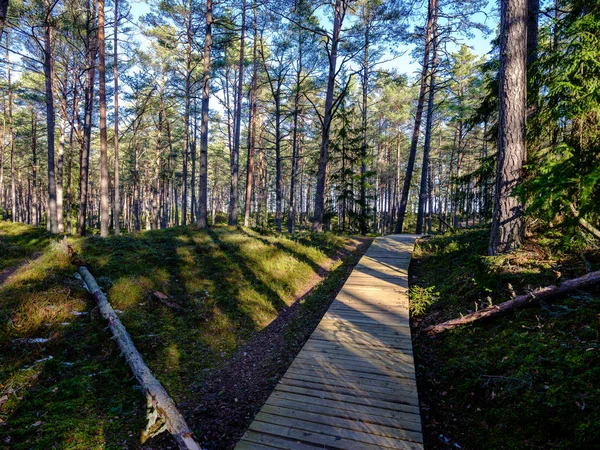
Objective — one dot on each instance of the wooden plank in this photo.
(255, 438)
(344, 408)
(347, 424)
(374, 355)
(327, 440)
(347, 375)
(368, 341)
(370, 281)
(352, 386)
(355, 397)
(363, 321)
(395, 395)
(394, 370)
(408, 391)
(337, 431)
(249, 445)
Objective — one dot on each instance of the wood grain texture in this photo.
(352, 386)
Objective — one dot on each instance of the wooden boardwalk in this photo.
(352, 386)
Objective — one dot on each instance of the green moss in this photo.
(226, 284)
(528, 379)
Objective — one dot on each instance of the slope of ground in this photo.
(62, 382)
(528, 379)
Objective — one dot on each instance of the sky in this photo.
(404, 63)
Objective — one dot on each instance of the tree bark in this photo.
(546, 293)
(235, 153)
(35, 168)
(508, 223)
(49, 76)
(186, 131)
(339, 14)
(203, 197)
(84, 159)
(364, 148)
(11, 140)
(252, 130)
(294, 174)
(158, 399)
(428, 125)
(104, 212)
(117, 184)
(418, 118)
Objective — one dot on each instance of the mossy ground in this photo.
(528, 379)
(74, 390)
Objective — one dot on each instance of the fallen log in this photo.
(447, 224)
(162, 412)
(584, 223)
(545, 293)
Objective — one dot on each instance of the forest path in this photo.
(352, 386)
(10, 271)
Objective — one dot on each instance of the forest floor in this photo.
(239, 305)
(528, 379)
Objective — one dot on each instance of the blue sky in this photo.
(404, 63)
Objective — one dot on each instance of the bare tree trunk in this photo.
(158, 399)
(418, 118)
(339, 14)
(363, 153)
(3, 205)
(543, 294)
(294, 175)
(87, 125)
(11, 140)
(235, 154)
(49, 76)
(252, 131)
(35, 167)
(193, 208)
(60, 173)
(156, 175)
(186, 131)
(117, 186)
(104, 207)
(508, 224)
(428, 126)
(203, 200)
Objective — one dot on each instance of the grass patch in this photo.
(528, 379)
(69, 388)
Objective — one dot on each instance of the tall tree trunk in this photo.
(428, 128)
(193, 208)
(294, 175)
(60, 173)
(278, 193)
(339, 13)
(49, 76)
(203, 200)
(35, 167)
(117, 184)
(418, 118)
(104, 207)
(235, 153)
(3, 206)
(508, 223)
(70, 160)
(363, 152)
(11, 141)
(252, 131)
(186, 131)
(87, 123)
